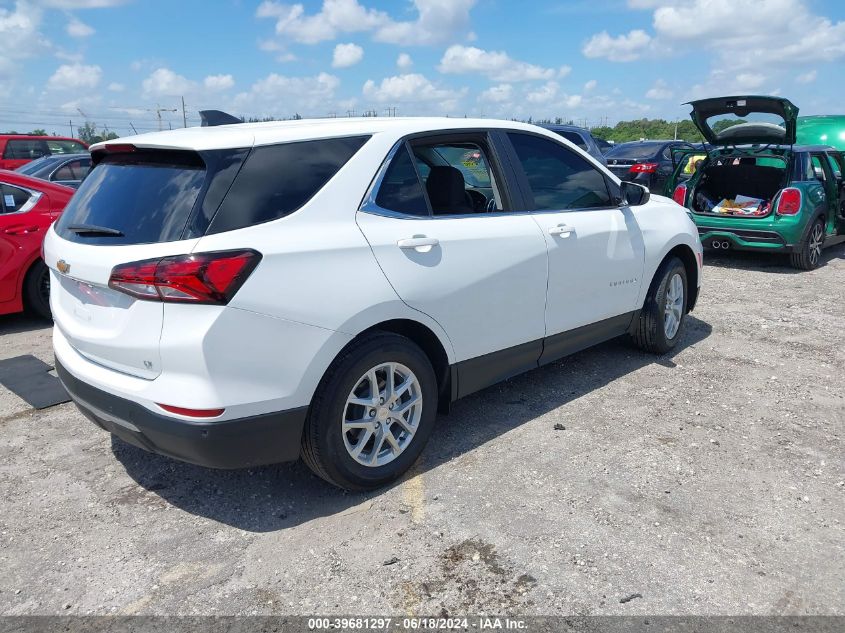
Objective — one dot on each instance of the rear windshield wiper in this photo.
(92, 230)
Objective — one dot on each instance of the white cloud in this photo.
(544, 94)
(411, 87)
(82, 4)
(404, 61)
(346, 55)
(746, 35)
(807, 78)
(496, 65)
(163, 82)
(218, 83)
(590, 85)
(623, 48)
(77, 28)
(279, 95)
(437, 22)
(116, 87)
(497, 94)
(75, 77)
(659, 91)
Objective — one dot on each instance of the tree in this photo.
(88, 134)
(38, 132)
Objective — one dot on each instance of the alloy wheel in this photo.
(382, 414)
(674, 309)
(815, 245)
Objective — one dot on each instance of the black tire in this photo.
(808, 257)
(323, 448)
(36, 290)
(649, 333)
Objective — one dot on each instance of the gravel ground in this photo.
(709, 481)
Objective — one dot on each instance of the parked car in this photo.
(28, 206)
(646, 163)
(238, 295)
(68, 169)
(758, 191)
(821, 130)
(18, 149)
(581, 137)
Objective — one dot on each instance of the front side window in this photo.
(65, 147)
(13, 199)
(74, 170)
(559, 179)
(25, 149)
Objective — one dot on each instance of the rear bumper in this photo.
(251, 441)
(744, 239)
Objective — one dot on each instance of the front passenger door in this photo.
(596, 251)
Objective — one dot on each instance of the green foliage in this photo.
(38, 132)
(89, 134)
(648, 129)
(723, 124)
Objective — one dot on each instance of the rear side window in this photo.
(146, 196)
(25, 149)
(559, 178)
(400, 189)
(276, 180)
(12, 199)
(65, 147)
(74, 170)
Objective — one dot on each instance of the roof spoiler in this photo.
(211, 118)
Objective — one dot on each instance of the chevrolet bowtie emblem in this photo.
(63, 266)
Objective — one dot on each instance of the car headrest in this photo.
(446, 189)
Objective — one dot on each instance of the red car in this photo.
(19, 149)
(28, 206)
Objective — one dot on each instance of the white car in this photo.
(240, 295)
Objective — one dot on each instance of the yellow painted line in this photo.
(413, 494)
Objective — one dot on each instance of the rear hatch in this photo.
(745, 120)
(135, 205)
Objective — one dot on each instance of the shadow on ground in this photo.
(22, 322)
(275, 497)
(776, 263)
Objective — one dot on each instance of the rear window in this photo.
(147, 196)
(635, 150)
(573, 137)
(276, 180)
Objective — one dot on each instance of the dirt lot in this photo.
(710, 481)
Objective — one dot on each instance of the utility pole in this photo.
(133, 127)
(70, 124)
(676, 129)
(158, 110)
(184, 114)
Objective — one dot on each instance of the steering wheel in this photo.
(478, 201)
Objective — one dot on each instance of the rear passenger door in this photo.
(20, 151)
(596, 251)
(442, 227)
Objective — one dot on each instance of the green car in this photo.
(824, 129)
(753, 189)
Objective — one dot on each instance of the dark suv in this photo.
(647, 163)
(581, 137)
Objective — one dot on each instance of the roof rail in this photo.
(211, 118)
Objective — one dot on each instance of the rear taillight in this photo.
(789, 202)
(680, 195)
(644, 168)
(211, 278)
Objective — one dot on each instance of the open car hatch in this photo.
(745, 120)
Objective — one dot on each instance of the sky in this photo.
(115, 62)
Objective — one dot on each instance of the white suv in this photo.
(240, 295)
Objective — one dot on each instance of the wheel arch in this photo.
(431, 345)
(688, 258)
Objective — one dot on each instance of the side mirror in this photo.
(634, 195)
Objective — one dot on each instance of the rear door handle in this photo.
(419, 243)
(562, 230)
(21, 230)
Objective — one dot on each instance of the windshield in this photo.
(35, 166)
(634, 150)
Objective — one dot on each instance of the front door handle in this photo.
(561, 230)
(419, 243)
